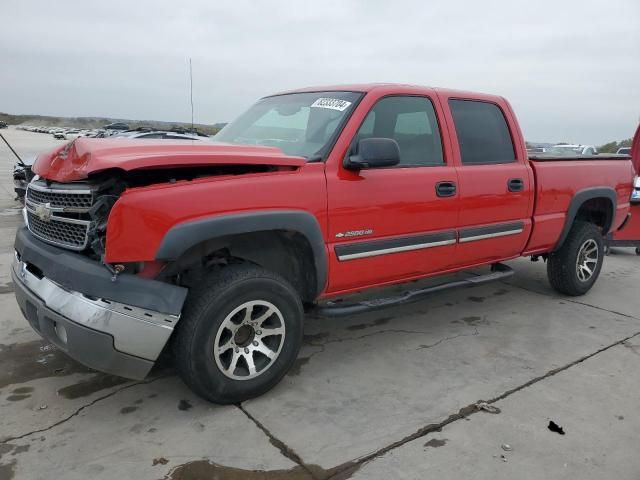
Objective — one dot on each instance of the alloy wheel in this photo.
(249, 340)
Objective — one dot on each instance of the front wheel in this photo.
(240, 333)
(575, 267)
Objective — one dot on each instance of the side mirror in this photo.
(374, 153)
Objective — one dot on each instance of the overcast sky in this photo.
(571, 68)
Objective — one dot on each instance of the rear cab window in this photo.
(483, 133)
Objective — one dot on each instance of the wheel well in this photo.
(284, 252)
(598, 211)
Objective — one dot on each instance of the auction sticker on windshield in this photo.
(332, 103)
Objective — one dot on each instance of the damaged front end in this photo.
(112, 312)
(70, 215)
(70, 295)
(75, 215)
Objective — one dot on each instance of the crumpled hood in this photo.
(84, 156)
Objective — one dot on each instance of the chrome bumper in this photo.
(70, 320)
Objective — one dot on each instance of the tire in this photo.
(563, 271)
(208, 319)
(637, 250)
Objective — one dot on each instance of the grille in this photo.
(61, 232)
(61, 199)
(59, 213)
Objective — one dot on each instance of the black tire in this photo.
(562, 269)
(208, 306)
(637, 250)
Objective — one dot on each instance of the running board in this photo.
(499, 271)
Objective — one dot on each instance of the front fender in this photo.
(183, 236)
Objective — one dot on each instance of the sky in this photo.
(570, 68)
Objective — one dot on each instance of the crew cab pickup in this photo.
(214, 250)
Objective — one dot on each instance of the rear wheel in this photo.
(575, 267)
(240, 333)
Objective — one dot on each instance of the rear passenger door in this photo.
(495, 182)
(391, 224)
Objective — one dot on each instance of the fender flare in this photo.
(578, 200)
(183, 236)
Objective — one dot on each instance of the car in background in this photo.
(4, 125)
(624, 151)
(159, 135)
(536, 150)
(116, 126)
(572, 150)
(60, 135)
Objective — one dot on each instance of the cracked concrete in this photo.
(390, 394)
(591, 400)
(329, 418)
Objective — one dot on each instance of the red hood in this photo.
(85, 156)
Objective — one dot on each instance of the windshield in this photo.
(301, 124)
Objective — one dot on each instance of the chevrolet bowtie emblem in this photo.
(43, 212)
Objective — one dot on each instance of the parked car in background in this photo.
(117, 126)
(536, 150)
(217, 248)
(158, 135)
(571, 150)
(624, 151)
(4, 125)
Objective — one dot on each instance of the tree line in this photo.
(612, 147)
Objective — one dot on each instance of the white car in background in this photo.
(624, 151)
(571, 150)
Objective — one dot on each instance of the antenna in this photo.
(191, 85)
(14, 152)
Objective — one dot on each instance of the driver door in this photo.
(396, 223)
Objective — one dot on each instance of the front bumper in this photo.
(104, 334)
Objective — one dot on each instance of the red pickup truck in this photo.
(215, 250)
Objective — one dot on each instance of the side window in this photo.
(483, 134)
(366, 129)
(410, 121)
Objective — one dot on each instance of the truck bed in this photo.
(559, 179)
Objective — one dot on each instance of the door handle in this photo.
(515, 184)
(445, 189)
